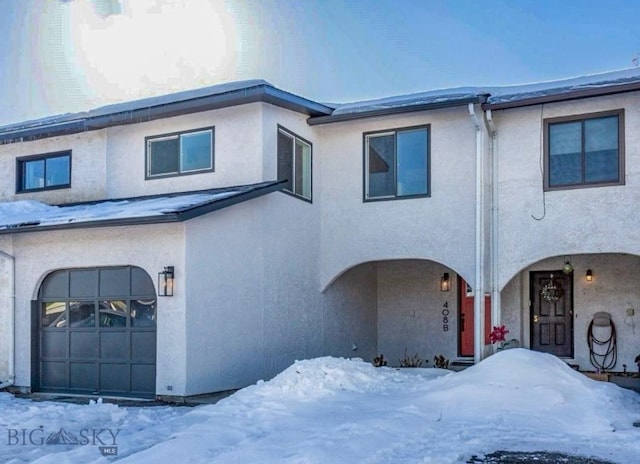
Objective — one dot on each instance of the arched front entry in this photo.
(97, 332)
(398, 308)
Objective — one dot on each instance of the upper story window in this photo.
(44, 172)
(584, 151)
(180, 153)
(396, 163)
(294, 163)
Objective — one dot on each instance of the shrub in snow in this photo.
(407, 361)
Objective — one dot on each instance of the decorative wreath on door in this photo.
(552, 291)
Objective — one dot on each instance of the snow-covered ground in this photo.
(330, 410)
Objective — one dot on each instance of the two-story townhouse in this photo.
(203, 240)
(398, 206)
(566, 185)
(137, 185)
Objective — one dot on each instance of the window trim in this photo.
(365, 163)
(170, 135)
(295, 136)
(581, 118)
(20, 162)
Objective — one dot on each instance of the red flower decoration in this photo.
(498, 334)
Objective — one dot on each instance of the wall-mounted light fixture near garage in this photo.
(165, 282)
(589, 275)
(444, 282)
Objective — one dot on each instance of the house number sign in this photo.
(445, 316)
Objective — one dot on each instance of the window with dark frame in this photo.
(180, 153)
(584, 151)
(294, 163)
(43, 172)
(396, 163)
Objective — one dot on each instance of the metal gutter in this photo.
(314, 121)
(559, 96)
(178, 216)
(39, 132)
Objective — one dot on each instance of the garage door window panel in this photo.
(113, 313)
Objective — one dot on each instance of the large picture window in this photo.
(294, 163)
(396, 163)
(180, 153)
(44, 172)
(584, 151)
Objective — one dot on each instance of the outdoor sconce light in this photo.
(165, 282)
(444, 282)
(567, 268)
(589, 275)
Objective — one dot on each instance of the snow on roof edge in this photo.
(495, 94)
(22, 215)
(131, 105)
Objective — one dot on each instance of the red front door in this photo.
(465, 323)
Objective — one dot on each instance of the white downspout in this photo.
(478, 301)
(496, 313)
(12, 322)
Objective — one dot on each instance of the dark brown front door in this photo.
(551, 315)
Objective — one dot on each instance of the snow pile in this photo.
(540, 390)
(315, 378)
(329, 410)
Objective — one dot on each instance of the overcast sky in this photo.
(70, 55)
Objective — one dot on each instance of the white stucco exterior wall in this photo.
(350, 313)
(150, 247)
(88, 170)
(254, 302)
(583, 220)
(223, 299)
(237, 153)
(7, 284)
(410, 311)
(439, 228)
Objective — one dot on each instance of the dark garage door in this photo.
(97, 332)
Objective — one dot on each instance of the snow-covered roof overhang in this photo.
(627, 80)
(164, 106)
(31, 216)
(422, 101)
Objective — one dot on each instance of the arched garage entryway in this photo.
(97, 332)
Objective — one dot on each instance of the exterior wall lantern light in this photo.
(589, 275)
(444, 282)
(165, 282)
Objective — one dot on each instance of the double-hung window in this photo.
(396, 163)
(294, 163)
(180, 153)
(44, 172)
(584, 151)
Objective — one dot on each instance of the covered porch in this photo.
(591, 318)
